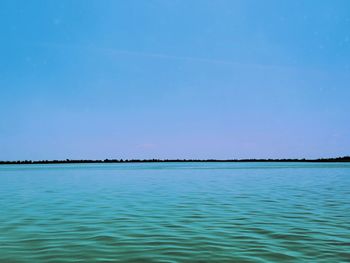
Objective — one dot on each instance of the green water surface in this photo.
(175, 212)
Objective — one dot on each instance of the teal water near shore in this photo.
(175, 212)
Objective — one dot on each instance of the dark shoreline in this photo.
(321, 160)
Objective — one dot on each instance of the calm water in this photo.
(180, 212)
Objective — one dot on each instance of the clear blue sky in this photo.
(174, 79)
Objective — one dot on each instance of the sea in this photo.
(175, 212)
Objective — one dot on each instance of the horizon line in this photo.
(154, 160)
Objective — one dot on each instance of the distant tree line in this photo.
(321, 160)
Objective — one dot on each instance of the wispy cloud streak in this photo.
(112, 51)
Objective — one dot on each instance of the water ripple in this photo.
(175, 213)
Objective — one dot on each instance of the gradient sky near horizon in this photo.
(174, 79)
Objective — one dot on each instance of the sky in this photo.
(174, 79)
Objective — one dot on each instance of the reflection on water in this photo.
(177, 212)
